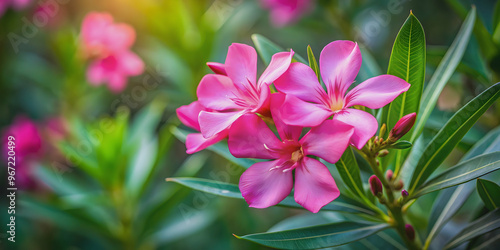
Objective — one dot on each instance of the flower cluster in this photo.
(312, 121)
(108, 45)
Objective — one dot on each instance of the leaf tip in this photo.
(238, 237)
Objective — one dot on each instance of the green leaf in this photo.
(451, 200)
(451, 134)
(267, 49)
(369, 67)
(141, 166)
(461, 173)
(401, 145)
(329, 235)
(312, 62)
(443, 73)
(408, 63)
(219, 148)
(232, 191)
(489, 193)
(485, 224)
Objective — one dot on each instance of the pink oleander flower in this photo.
(188, 114)
(284, 12)
(15, 4)
(28, 145)
(307, 104)
(267, 183)
(228, 97)
(109, 43)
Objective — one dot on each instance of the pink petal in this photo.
(96, 74)
(212, 123)
(216, 91)
(217, 68)
(365, 125)
(196, 142)
(94, 28)
(328, 140)
(286, 132)
(339, 63)
(188, 114)
(264, 101)
(314, 185)
(301, 81)
(278, 65)
(241, 64)
(300, 113)
(377, 92)
(262, 187)
(119, 37)
(117, 82)
(130, 63)
(249, 136)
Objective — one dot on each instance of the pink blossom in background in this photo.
(188, 114)
(15, 4)
(28, 145)
(308, 105)
(284, 12)
(239, 92)
(109, 44)
(267, 183)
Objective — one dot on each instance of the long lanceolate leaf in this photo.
(451, 134)
(443, 73)
(451, 200)
(407, 62)
(489, 193)
(267, 49)
(461, 173)
(480, 226)
(232, 191)
(322, 236)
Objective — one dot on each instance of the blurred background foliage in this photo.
(102, 185)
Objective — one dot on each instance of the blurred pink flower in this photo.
(308, 105)
(267, 183)
(28, 145)
(284, 12)
(229, 97)
(188, 114)
(15, 4)
(109, 43)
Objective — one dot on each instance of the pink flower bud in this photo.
(402, 127)
(410, 232)
(404, 193)
(375, 185)
(389, 174)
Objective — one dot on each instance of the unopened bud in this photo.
(375, 185)
(383, 153)
(399, 185)
(402, 127)
(389, 174)
(404, 193)
(410, 232)
(382, 131)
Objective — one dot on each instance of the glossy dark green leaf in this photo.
(233, 191)
(451, 134)
(349, 172)
(329, 235)
(461, 173)
(266, 49)
(489, 193)
(312, 62)
(219, 148)
(443, 73)
(408, 63)
(485, 224)
(449, 201)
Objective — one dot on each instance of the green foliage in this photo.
(488, 191)
(478, 227)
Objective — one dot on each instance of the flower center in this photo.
(337, 105)
(291, 153)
